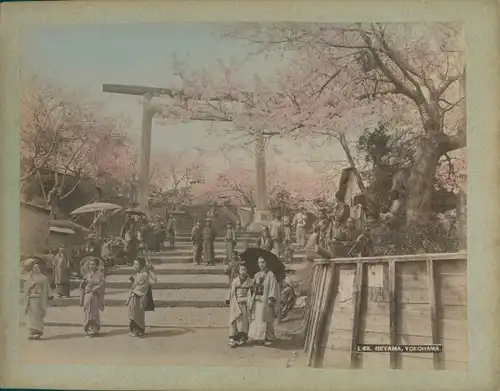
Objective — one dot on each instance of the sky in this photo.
(82, 58)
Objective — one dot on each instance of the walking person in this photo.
(208, 243)
(36, 299)
(92, 290)
(238, 310)
(230, 242)
(62, 273)
(264, 305)
(299, 221)
(197, 240)
(138, 297)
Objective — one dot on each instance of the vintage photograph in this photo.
(278, 195)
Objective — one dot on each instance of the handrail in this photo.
(396, 258)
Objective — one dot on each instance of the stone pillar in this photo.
(145, 153)
(262, 215)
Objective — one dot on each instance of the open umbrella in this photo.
(135, 211)
(68, 224)
(250, 258)
(95, 207)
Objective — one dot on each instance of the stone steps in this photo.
(174, 268)
(188, 259)
(189, 251)
(193, 281)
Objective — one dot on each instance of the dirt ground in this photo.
(66, 343)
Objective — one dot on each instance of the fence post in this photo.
(436, 337)
(393, 315)
(358, 294)
(325, 312)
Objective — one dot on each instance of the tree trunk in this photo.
(421, 182)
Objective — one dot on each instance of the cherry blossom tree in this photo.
(338, 80)
(344, 75)
(173, 175)
(63, 134)
(238, 183)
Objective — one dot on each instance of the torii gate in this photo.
(262, 213)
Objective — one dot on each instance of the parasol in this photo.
(68, 224)
(95, 207)
(135, 211)
(84, 264)
(251, 256)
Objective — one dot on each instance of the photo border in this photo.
(481, 20)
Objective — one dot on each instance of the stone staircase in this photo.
(180, 283)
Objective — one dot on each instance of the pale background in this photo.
(481, 19)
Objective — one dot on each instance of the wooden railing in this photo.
(415, 292)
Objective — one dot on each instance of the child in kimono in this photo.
(238, 310)
(232, 267)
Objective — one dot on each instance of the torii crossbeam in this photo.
(262, 214)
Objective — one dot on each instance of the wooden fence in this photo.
(411, 299)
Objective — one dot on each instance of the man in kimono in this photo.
(208, 243)
(341, 209)
(299, 222)
(62, 273)
(348, 233)
(277, 235)
(287, 230)
(230, 242)
(171, 229)
(264, 305)
(197, 240)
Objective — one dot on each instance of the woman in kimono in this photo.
(238, 311)
(265, 241)
(264, 305)
(61, 273)
(92, 298)
(230, 240)
(288, 299)
(138, 298)
(36, 299)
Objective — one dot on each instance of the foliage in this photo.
(71, 139)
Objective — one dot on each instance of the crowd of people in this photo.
(254, 303)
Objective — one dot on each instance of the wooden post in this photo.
(310, 304)
(325, 313)
(357, 294)
(393, 316)
(436, 337)
(316, 311)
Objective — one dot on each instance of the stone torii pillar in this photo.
(262, 215)
(147, 123)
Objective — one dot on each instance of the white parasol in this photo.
(95, 207)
